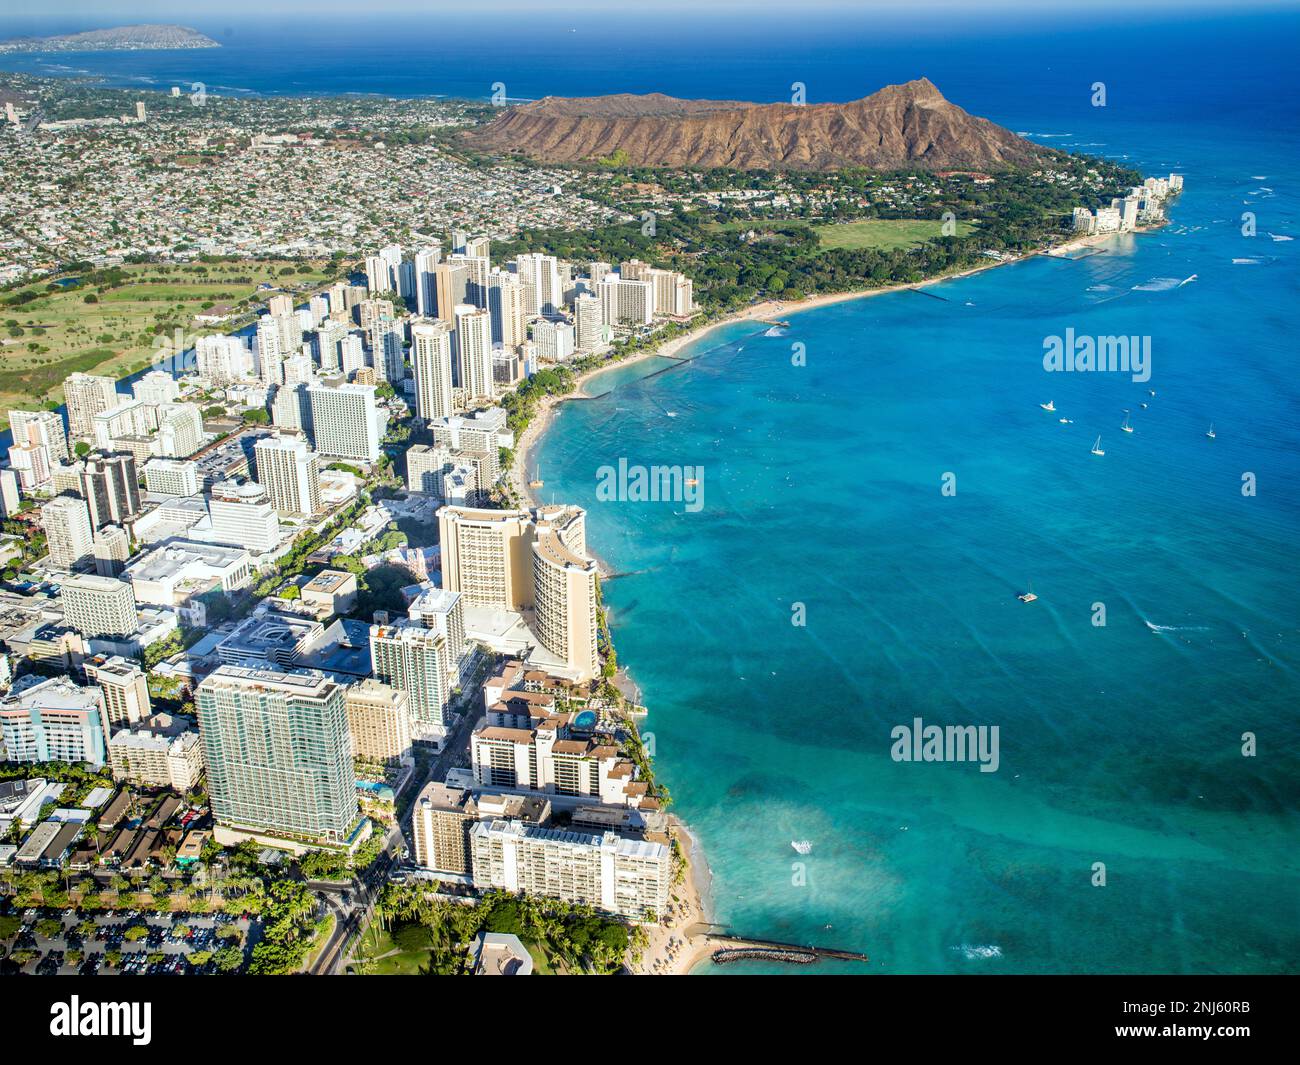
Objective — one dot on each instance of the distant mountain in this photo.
(119, 39)
(909, 125)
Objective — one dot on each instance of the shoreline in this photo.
(531, 437)
(677, 944)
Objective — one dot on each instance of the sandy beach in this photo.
(673, 950)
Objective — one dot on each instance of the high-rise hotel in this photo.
(431, 360)
(279, 754)
(524, 560)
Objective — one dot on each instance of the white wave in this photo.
(1280, 237)
(967, 950)
(1158, 284)
(775, 331)
(1246, 262)
(1186, 280)
(1175, 628)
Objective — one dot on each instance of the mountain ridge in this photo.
(899, 126)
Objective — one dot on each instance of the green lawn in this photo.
(541, 967)
(874, 234)
(378, 944)
(58, 333)
(884, 234)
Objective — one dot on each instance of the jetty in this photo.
(732, 948)
(776, 322)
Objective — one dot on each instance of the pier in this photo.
(732, 948)
(926, 292)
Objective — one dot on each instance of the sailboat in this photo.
(1029, 596)
(1049, 405)
(1126, 427)
(1210, 432)
(536, 482)
(1096, 448)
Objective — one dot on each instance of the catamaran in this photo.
(1210, 433)
(1049, 405)
(1029, 596)
(1126, 427)
(1096, 448)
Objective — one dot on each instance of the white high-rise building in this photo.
(86, 395)
(128, 418)
(387, 351)
(345, 421)
(157, 387)
(270, 353)
(98, 607)
(180, 430)
(43, 428)
(112, 550)
(222, 360)
(473, 350)
(590, 331)
(431, 360)
(328, 340)
(290, 472)
(506, 305)
(628, 877)
(626, 302)
(423, 656)
(540, 277)
(553, 341)
(352, 353)
(476, 274)
(68, 532)
(171, 477)
(243, 516)
(426, 286)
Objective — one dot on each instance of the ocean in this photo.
(1121, 745)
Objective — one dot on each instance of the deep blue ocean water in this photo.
(1119, 744)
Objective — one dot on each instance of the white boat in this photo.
(1126, 427)
(1096, 448)
(1049, 405)
(1029, 596)
(1210, 432)
(802, 846)
(1066, 421)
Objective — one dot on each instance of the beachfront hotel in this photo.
(628, 877)
(521, 745)
(278, 753)
(528, 561)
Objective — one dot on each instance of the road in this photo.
(352, 903)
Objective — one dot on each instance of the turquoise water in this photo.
(1119, 744)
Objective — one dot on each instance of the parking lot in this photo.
(173, 936)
